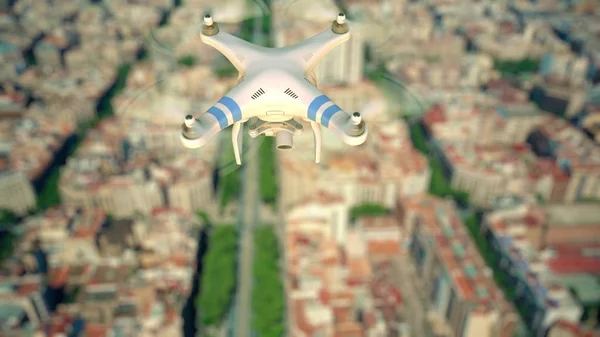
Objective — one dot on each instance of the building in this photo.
(22, 306)
(532, 43)
(125, 175)
(572, 223)
(567, 66)
(489, 172)
(575, 153)
(328, 281)
(47, 51)
(323, 205)
(119, 291)
(16, 192)
(393, 28)
(458, 286)
(544, 251)
(343, 65)
(386, 167)
(12, 102)
(11, 58)
(454, 122)
(567, 329)
(509, 123)
(383, 236)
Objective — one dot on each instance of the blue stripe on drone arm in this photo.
(328, 113)
(219, 115)
(314, 106)
(230, 103)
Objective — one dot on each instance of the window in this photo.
(450, 304)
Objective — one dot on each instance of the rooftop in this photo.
(581, 214)
(456, 251)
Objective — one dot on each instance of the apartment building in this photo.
(457, 285)
(545, 252)
(16, 192)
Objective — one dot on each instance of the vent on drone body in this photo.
(258, 93)
(290, 93)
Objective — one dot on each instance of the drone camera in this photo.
(284, 140)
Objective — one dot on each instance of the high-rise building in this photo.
(343, 65)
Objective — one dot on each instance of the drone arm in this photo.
(236, 50)
(312, 50)
(320, 109)
(227, 111)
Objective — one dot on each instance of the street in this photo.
(248, 217)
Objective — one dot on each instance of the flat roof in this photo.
(585, 286)
(573, 214)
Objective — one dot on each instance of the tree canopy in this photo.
(218, 275)
(268, 306)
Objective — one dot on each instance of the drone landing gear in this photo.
(236, 139)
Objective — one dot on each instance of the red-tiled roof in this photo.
(96, 330)
(349, 329)
(572, 264)
(575, 330)
(434, 115)
(465, 288)
(300, 318)
(386, 248)
(27, 288)
(58, 276)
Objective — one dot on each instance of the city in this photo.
(473, 208)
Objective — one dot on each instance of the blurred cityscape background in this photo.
(473, 209)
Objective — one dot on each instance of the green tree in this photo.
(268, 172)
(204, 217)
(268, 305)
(230, 180)
(226, 70)
(218, 275)
(49, 195)
(7, 217)
(187, 61)
(368, 210)
(517, 67)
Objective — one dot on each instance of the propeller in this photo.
(378, 23)
(173, 38)
(311, 10)
(379, 27)
(236, 11)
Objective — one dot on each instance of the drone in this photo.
(275, 89)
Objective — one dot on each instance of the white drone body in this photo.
(273, 89)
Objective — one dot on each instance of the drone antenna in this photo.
(189, 121)
(356, 118)
(208, 20)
